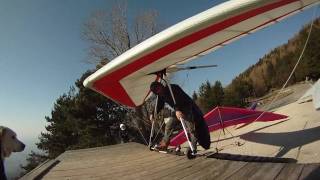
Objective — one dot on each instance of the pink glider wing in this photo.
(222, 117)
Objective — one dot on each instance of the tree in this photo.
(230, 97)
(205, 96)
(110, 33)
(81, 119)
(194, 96)
(210, 96)
(237, 93)
(217, 94)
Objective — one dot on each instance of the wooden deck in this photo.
(135, 161)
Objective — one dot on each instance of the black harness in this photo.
(2, 172)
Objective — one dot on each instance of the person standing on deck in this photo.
(185, 109)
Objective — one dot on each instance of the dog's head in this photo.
(9, 142)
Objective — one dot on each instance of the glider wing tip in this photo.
(87, 83)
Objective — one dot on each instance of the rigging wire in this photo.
(293, 70)
(145, 141)
(159, 130)
(223, 130)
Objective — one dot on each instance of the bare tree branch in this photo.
(145, 25)
(110, 35)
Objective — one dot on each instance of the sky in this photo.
(42, 52)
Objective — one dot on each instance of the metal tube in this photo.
(221, 121)
(181, 119)
(186, 133)
(151, 133)
(152, 126)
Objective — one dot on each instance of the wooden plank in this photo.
(81, 165)
(219, 169)
(96, 152)
(136, 169)
(106, 155)
(67, 164)
(310, 171)
(168, 172)
(41, 170)
(121, 168)
(290, 171)
(93, 156)
(192, 168)
(110, 148)
(147, 170)
(103, 161)
(101, 169)
(148, 164)
(156, 167)
(246, 171)
(267, 171)
(258, 171)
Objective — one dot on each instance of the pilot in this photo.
(185, 109)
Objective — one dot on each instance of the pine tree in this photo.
(217, 94)
(80, 118)
(205, 96)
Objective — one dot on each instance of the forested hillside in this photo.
(270, 72)
(274, 68)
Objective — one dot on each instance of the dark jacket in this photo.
(183, 102)
(186, 105)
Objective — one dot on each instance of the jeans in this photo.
(190, 126)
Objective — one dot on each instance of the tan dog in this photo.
(9, 142)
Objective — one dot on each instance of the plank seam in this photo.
(279, 172)
(301, 171)
(237, 170)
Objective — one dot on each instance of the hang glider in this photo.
(126, 79)
(222, 117)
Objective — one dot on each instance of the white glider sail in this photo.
(126, 79)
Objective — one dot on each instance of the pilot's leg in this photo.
(191, 130)
(169, 122)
